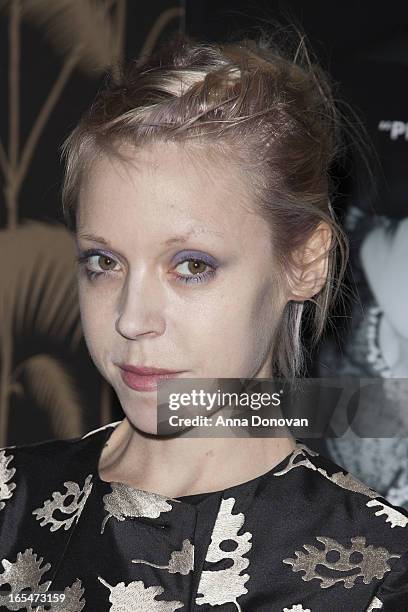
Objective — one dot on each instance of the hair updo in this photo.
(271, 113)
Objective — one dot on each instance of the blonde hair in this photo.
(272, 113)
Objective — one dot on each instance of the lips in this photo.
(144, 371)
(145, 379)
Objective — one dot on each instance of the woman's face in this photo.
(150, 306)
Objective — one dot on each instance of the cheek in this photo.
(96, 323)
(213, 334)
(266, 311)
(235, 332)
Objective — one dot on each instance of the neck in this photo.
(185, 466)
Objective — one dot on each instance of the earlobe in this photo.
(308, 274)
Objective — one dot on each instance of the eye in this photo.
(197, 268)
(103, 260)
(191, 269)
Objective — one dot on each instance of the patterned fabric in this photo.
(304, 537)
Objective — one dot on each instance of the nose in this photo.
(140, 308)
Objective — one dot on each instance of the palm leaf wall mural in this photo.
(40, 332)
(85, 28)
(39, 324)
(47, 379)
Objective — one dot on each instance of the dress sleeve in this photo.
(392, 595)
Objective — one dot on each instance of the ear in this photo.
(309, 272)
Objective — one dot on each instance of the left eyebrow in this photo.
(174, 240)
(92, 237)
(184, 237)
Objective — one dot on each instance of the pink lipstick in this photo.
(144, 378)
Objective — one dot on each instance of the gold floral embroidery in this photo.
(126, 501)
(345, 481)
(136, 597)
(349, 482)
(291, 463)
(181, 561)
(25, 574)
(376, 604)
(44, 514)
(95, 431)
(72, 600)
(373, 562)
(218, 587)
(6, 473)
(394, 517)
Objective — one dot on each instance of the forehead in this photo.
(165, 165)
(164, 187)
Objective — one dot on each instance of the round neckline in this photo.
(248, 483)
(197, 498)
(107, 431)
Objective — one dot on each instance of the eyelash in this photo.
(83, 258)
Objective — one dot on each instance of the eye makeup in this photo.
(197, 257)
(83, 258)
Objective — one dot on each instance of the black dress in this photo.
(305, 536)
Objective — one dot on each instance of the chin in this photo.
(144, 425)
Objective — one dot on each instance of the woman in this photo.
(198, 190)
